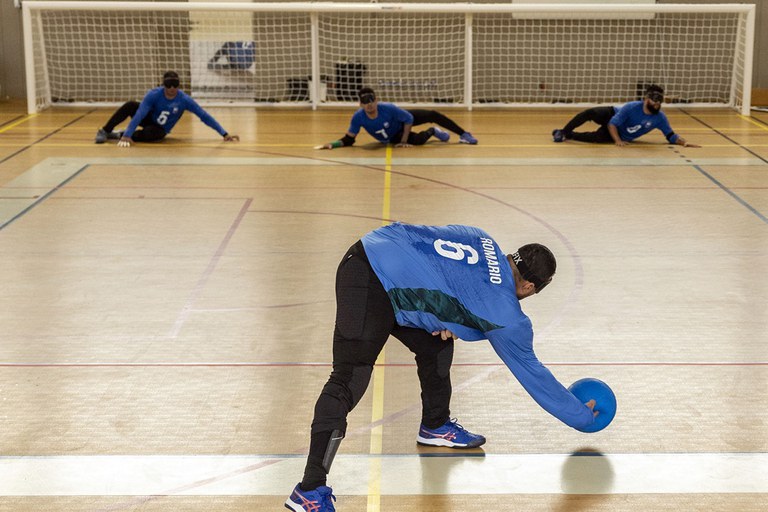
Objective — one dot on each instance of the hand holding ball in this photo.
(605, 401)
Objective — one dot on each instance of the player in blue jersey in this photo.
(390, 124)
(624, 124)
(157, 114)
(422, 285)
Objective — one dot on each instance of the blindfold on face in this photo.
(656, 97)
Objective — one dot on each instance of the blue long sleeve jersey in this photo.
(632, 122)
(388, 122)
(456, 278)
(167, 112)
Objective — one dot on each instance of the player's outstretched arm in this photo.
(682, 142)
(347, 140)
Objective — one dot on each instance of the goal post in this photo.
(415, 54)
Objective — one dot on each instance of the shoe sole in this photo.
(448, 444)
(466, 142)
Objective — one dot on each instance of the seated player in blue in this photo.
(157, 114)
(390, 124)
(624, 124)
(422, 285)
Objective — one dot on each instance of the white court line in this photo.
(59, 164)
(206, 475)
(25, 190)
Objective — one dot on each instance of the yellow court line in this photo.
(759, 125)
(17, 123)
(377, 409)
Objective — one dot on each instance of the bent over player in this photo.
(422, 284)
(388, 123)
(157, 114)
(624, 124)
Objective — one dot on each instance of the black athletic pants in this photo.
(598, 115)
(150, 132)
(423, 117)
(364, 321)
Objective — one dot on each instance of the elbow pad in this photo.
(346, 140)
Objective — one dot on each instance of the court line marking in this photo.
(726, 137)
(38, 141)
(149, 476)
(731, 193)
(30, 203)
(12, 124)
(208, 272)
(377, 407)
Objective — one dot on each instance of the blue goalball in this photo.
(597, 390)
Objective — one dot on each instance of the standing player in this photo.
(157, 114)
(624, 124)
(388, 123)
(422, 284)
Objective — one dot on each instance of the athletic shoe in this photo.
(558, 135)
(101, 136)
(318, 500)
(467, 138)
(115, 135)
(451, 435)
(442, 135)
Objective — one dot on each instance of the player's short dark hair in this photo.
(654, 91)
(170, 74)
(366, 95)
(536, 264)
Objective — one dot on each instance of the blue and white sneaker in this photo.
(451, 435)
(467, 138)
(319, 500)
(558, 135)
(441, 135)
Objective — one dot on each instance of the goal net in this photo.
(424, 54)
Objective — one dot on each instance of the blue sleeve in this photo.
(144, 108)
(204, 116)
(536, 379)
(666, 129)
(621, 115)
(403, 115)
(354, 123)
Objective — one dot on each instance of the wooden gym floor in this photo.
(166, 314)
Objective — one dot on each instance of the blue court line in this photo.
(732, 194)
(44, 197)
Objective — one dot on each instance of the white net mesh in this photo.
(603, 60)
(113, 56)
(412, 58)
(409, 57)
